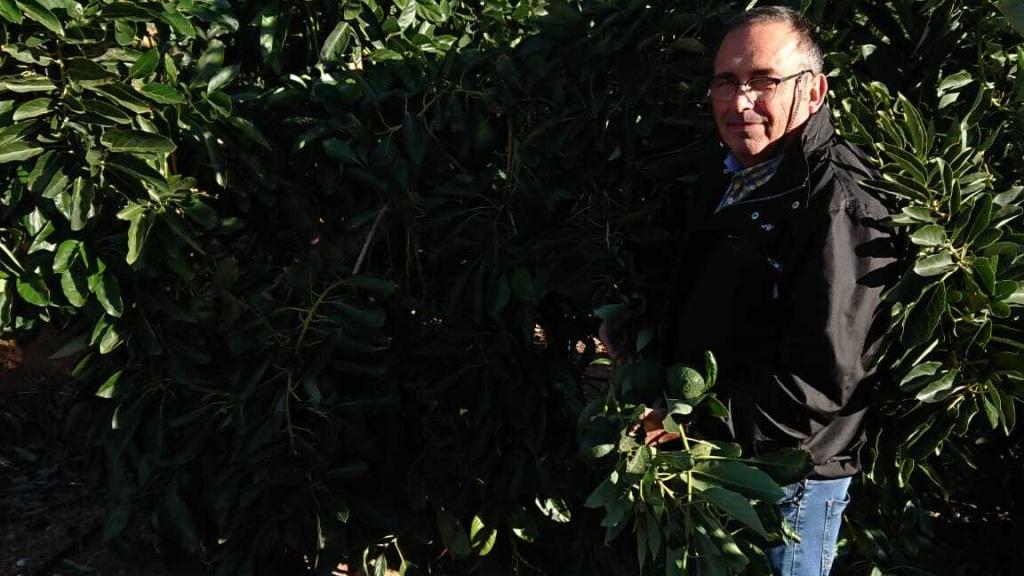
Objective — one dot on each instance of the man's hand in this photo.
(654, 432)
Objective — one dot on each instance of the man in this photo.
(782, 271)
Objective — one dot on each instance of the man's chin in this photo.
(746, 150)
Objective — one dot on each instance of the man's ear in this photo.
(818, 90)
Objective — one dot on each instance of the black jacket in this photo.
(783, 287)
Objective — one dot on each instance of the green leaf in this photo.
(88, 73)
(380, 565)
(920, 213)
(453, 536)
(372, 318)
(111, 339)
(128, 11)
(378, 286)
(901, 189)
(908, 161)
(222, 78)
(992, 410)
(136, 141)
(954, 82)
(124, 32)
(177, 21)
(735, 506)
(741, 478)
(137, 169)
(18, 152)
(67, 252)
(408, 15)
(918, 372)
(674, 561)
(938, 390)
(710, 368)
(75, 285)
(26, 83)
(33, 290)
(709, 558)
(715, 407)
(985, 272)
(108, 291)
(934, 265)
(145, 64)
(105, 111)
(948, 99)
(385, 54)
(605, 492)
(981, 216)
(481, 537)
(341, 150)
(924, 317)
(210, 63)
(42, 15)
(71, 348)
(138, 231)
(6, 303)
(555, 509)
(523, 525)
(676, 407)
(1009, 411)
(1000, 309)
(915, 125)
(162, 93)
(9, 12)
(273, 28)
(40, 241)
(932, 235)
(1013, 10)
(109, 387)
(123, 95)
(249, 130)
(9, 262)
(639, 461)
(1017, 297)
(336, 43)
(81, 203)
(32, 109)
(677, 461)
(785, 466)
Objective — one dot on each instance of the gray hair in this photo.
(771, 14)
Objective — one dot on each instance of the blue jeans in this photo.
(814, 509)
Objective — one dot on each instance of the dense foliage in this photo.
(304, 252)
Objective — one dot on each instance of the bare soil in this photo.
(51, 501)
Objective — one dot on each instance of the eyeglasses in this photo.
(758, 89)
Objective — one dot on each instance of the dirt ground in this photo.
(51, 509)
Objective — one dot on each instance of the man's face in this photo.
(753, 130)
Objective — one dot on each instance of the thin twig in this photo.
(369, 239)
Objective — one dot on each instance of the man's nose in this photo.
(743, 99)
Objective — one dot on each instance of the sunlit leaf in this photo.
(136, 141)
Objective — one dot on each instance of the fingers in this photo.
(654, 432)
(659, 436)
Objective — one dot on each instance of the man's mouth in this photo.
(742, 122)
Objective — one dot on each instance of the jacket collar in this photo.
(818, 131)
(813, 137)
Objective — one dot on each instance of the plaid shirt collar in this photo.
(746, 180)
